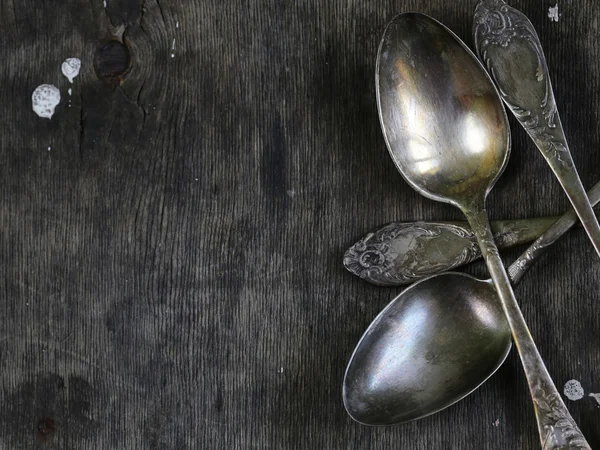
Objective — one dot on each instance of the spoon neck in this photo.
(477, 217)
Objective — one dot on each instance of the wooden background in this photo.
(172, 267)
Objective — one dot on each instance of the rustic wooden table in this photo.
(172, 238)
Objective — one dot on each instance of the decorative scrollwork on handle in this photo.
(508, 30)
(398, 253)
(527, 259)
(559, 430)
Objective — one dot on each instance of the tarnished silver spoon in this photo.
(402, 253)
(448, 134)
(507, 43)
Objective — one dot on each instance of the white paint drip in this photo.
(596, 397)
(553, 14)
(177, 24)
(173, 49)
(104, 4)
(44, 100)
(70, 92)
(573, 390)
(70, 68)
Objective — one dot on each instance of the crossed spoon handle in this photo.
(526, 261)
(557, 428)
(402, 253)
(508, 45)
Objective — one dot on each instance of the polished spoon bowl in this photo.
(426, 351)
(507, 43)
(448, 134)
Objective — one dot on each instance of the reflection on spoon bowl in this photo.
(426, 351)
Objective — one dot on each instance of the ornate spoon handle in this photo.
(557, 428)
(509, 47)
(401, 253)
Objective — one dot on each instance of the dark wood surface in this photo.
(171, 267)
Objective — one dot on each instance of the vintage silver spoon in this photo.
(448, 134)
(507, 43)
(402, 253)
(426, 351)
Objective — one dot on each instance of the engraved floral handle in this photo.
(509, 47)
(557, 428)
(401, 253)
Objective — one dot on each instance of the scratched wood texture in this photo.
(171, 266)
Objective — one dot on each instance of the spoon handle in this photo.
(526, 261)
(401, 253)
(508, 45)
(557, 428)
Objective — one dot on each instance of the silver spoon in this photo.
(508, 44)
(426, 351)
(448, 134)
(402, 253)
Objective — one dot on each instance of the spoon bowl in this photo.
(426, 351)
(441, 117)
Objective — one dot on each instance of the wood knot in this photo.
(46, 427)
(112, 61)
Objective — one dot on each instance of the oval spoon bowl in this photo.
(426, 351)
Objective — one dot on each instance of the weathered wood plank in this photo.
(172, 266)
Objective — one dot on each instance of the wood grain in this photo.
(172, 266)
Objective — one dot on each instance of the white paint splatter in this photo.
(573, 390)
(596, 397)
(173, 49)
(496, 423)
(281, 370)
(104, 4)
(553, 14)
(70, 68)
(49, 148)
(44, 100)
(177, 24)
(70, 91)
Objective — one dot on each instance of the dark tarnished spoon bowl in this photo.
(426, 351)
